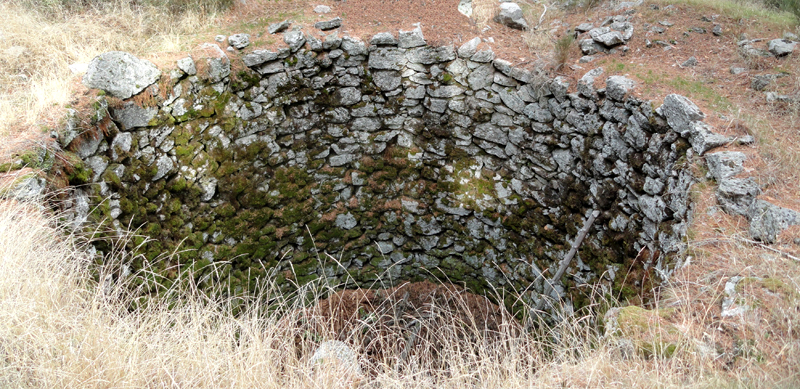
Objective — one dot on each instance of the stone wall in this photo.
(389, 160)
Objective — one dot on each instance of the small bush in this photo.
(561, 50)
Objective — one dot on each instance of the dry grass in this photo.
(483, 11)
(37, 46)
(61, 329)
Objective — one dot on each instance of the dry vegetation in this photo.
(60, 328)
(40, 40)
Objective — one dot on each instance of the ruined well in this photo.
(400, 160)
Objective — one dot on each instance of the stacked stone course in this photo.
(400, 160)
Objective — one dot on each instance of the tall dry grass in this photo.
(62, 329)
(40, 40)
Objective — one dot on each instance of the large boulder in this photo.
(680, 112)
(511, 16)
(120, 74)
(781, 47)
(768, 220)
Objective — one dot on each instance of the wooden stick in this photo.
(764, 246)
(541, 17)
(562, 268)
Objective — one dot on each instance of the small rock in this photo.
(586, 59)
(736, 195)
(322, 9)
(219, 38)
(216, 63)
(760, 82)
(606, 36)
(729, 306)
(329, 25)
(29, 189)
(725, 164)
(790, 36)
(295, 39)
(658, 30)
(131, 115)
(586, 83)
(465, 7)
(717, 30)
(413, 38)
(698, 30)
(617, 87)
(339, 355)
(639, 331)
(590, 47)
(745, 140)
(666, 23)
(583, 27)
(345, 221)
(511, 15)
(384, 38)
(275, 28)
(691, 62)
(469, 49)
(239, 41)
(187, 66)
(703, 139)
(781, 47)
(737, 70)
(628, 4)
(773, 97)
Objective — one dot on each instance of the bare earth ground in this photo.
(717, 242)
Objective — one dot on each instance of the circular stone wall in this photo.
(360, 162)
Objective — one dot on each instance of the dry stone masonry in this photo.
(400, 160)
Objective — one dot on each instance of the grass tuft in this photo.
(561, 50)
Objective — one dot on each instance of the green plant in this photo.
(791, 6)
(561, 50)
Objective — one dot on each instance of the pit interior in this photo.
(371, 164)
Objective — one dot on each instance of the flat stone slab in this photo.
(329, 24)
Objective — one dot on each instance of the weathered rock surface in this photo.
(618, 87)
(739, 196)
(120, 74)
(781, 47)
(275, 28)
(329, 24)
(511, 15)
(239, 41)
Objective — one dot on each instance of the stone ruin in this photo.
(369, 163)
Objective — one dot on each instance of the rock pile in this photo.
(615, 32)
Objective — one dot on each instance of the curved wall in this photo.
(389, 160)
